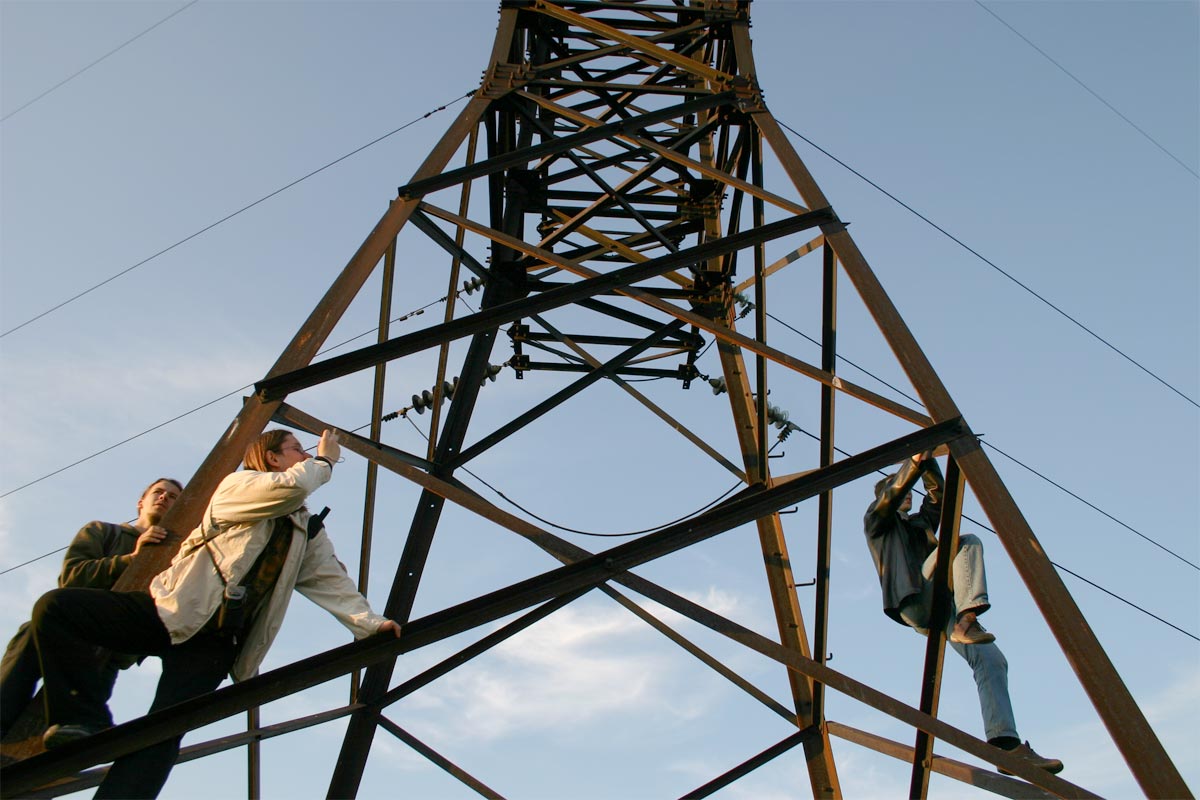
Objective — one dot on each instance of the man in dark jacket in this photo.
(904, 548)
(96, 557)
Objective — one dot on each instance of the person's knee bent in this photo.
(969, 540)
(48, 606)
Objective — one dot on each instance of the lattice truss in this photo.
(607, 187)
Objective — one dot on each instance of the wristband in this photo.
(326, 460)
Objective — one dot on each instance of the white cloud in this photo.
(1092, 759)
(578, 666)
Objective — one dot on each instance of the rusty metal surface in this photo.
(943, 604)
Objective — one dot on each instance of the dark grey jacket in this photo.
(900, 544)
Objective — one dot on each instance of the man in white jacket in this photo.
(256, 543)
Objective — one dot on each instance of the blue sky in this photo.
(939, 103)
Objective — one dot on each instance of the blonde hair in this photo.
(269, 442)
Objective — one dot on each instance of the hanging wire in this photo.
(1087, 88)
(228, 217)
(991, 264)
(556, 526)
(75, 75)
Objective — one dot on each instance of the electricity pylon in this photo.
(607, 186)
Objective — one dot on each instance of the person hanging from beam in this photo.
(215, 610)
(96, 557)
(904, 548)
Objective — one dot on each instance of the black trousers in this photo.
(20, 673)
(69, 623)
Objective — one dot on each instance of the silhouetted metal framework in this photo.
(619, 147)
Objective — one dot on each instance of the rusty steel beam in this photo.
(718, 329)
(965, 773)
(93, 777)
(751, 764)
(825, 501)
(377, 391)
(437, 758)
(464, 202)
(939, 618)
(780, 580)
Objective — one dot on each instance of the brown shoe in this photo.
(971, 634)
(1026, 753)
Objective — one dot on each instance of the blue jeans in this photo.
(987, 662)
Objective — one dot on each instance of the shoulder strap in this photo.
(111, 538)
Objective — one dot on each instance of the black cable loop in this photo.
(556, 526)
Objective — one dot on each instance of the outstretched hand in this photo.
(389, 625)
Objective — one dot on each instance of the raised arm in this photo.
(887, 501)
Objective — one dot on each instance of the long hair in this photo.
(269, 442)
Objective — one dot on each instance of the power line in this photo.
(331, 348)
(1092, 506)
(1013, 459)
(72, 77)
(1087, 88)
(228, 217)
(124, 441)
(991, 264)
(30, 561)
(1054, 564)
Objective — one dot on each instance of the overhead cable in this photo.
(75, 75)
(228, 217)
(993, 265)
(1087, 88)
(200, 407)
(1011, 458)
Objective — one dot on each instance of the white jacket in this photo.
(238, 521)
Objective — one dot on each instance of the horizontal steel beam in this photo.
(277, 387)
(986, 779)
(523, 156)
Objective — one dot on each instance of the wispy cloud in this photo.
(583, 664)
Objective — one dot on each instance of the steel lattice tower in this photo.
(607, 186)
